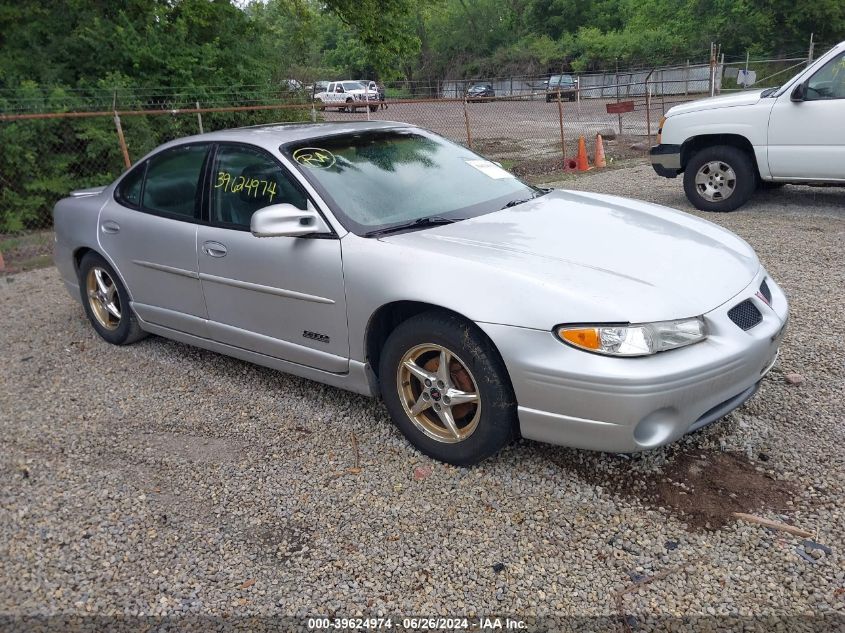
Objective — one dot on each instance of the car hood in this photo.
(571, 256)
(745, 98)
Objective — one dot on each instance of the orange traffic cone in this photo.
(600, 160)
(583, 161)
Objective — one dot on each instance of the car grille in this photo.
(764, 290)
(745, 315)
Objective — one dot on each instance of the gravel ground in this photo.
(161, 480)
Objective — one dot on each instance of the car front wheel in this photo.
(106, 302)
(447, 389)
(720, 178)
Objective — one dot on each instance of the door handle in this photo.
(110, 226)
(214, 249)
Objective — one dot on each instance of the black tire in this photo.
(126, 330)
(735, 159)
(350, 107)
(496, 424)
(373, 108)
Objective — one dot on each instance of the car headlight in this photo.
(641, 339)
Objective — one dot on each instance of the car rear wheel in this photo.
(373, 108)
(719, 178)
(106, 302)
(447, 389)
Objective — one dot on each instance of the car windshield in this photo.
(352, 85)
(383, 178)
(479, 87)
(561, 79)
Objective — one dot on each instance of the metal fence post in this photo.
(466, 120)
(122, 141)
(619, 116)
(560, 119)
(648, 104)
(199, 118)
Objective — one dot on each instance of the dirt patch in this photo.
(26, 251)
(708, 487)
(548, 166)
(204, 450)
(497, 146)
(702, 487)
(618, 152)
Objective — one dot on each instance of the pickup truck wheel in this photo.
(447, 389)
(719, 178)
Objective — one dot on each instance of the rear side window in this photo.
(129, 190)
(172, 184)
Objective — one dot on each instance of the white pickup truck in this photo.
(347, 96)
(729, 145)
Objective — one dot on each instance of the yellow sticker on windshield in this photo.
(314, 157)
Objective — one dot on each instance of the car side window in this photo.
(246, 180)
(829, 81)
(172, 183)
(129, 190)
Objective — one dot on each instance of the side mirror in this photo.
(799, 93)
(285, 220)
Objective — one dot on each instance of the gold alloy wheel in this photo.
(103, 297)
(438, 393)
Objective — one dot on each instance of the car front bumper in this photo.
(575, 398)
(666, 160)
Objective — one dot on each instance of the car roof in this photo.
(273, 135)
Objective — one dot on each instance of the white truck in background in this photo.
(728, 146)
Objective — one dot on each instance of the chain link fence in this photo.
(47, 152)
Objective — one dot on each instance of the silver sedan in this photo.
(381, 258)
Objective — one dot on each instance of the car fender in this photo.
(747, 122)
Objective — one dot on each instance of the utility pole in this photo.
(810, 53)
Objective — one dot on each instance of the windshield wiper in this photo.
(419, 223)
(541, 191)
(768, 92)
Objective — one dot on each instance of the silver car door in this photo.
(148, 231)
(280, 296)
